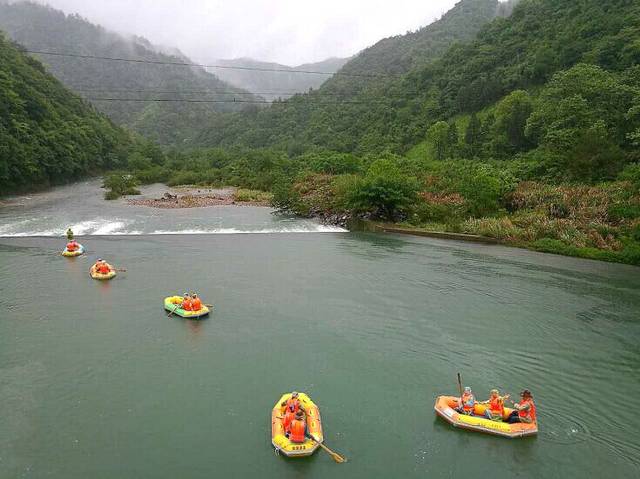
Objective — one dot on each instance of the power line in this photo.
(188, 100)
(223, 67)
(204, 92)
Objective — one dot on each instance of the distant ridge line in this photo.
(224, 67)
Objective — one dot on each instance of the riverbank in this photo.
(600, 222)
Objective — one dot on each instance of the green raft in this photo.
(172, 303)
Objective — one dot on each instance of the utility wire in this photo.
(205, 92)
(187, 100)
(223, 67)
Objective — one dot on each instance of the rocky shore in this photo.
(194, 198)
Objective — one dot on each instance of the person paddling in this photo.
(495, 405)
(73, 245)
(525, 410)
(69, 234)
(466, 402)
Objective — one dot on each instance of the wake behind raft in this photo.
(445, 408)
(173, 304)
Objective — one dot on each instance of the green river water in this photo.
(96, 382)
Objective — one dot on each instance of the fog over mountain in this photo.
(290, 32)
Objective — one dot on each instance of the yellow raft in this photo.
(72, 254)
(102, 277)
(445, 408)
(172, 303)
(314, 426)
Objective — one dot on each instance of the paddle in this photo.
(120, 270)
(336, 457)
(173, 310)
(460, 384)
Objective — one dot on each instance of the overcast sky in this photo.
(284, 31)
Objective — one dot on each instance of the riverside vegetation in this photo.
(526, 129)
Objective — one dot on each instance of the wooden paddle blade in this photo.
(336, 457)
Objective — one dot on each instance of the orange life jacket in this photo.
(103, 268)
(71, 246)
(468, 401)
(529, 413)
(286, 422)
(296, 431)
(496, 406)
(196, 304)
(293, 405)
(186, 304)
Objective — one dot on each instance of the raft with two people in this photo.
(179, 306)
(296, 427)
(102, 271)
(73, 249)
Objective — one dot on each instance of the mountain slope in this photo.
(353, 111)
(47, 134)
(280, 84)
(43, 28)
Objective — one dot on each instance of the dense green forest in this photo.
(48, 135)
(41, 28)
(527, 133)
(277, 84)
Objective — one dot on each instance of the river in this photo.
(96, 381)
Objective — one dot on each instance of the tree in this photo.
(512, 114)
(438, 135)
(473, 137)
(384, 191)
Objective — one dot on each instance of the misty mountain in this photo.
(281, 84)
(42, 28)
(354, 109)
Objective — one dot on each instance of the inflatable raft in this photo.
(172, 303)
(445, 408)
(71, 254)
(314, 426)
(103, 277)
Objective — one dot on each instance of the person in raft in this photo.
(525, 410)
(196, 304)
(495, 411)
(73, 245)
(102, 266)
(69, 234)
(466, 402)
(186, 302)
(293, 403)
(297, 428)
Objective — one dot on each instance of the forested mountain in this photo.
(42, 28)
(47, 134)
(522, 52)
(354, 110)
(279, 84)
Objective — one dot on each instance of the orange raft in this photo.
(445, 408)
(314, 426)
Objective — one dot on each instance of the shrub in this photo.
(498, 228)
(252, 196)
(120, 184)
(385, 191)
